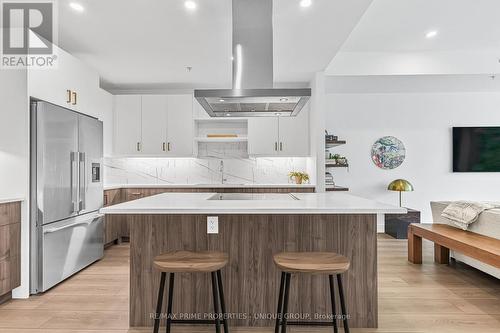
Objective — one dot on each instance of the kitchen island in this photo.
(252, 227)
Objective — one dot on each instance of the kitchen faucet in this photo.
(221, 170)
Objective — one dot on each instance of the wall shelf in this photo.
(220, 120)
(222, 140)
(332, 188)
(331, 144)
(330, 164)
(234, 146)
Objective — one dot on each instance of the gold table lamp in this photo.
(400, 185)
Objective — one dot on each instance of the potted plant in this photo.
(339, 160)
(299, 177)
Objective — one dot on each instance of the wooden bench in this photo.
(483, 248)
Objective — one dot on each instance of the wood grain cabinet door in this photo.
(113, 223)
(10, 247)
(112, 197)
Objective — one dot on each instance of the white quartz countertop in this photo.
(288, 185)
(9, 200)
(307, 203)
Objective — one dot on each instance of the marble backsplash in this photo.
(201, 170)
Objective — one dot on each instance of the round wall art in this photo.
(388, 152)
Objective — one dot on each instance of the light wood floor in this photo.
(427, 298)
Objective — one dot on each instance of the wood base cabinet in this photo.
(10, 249)
(113, 224)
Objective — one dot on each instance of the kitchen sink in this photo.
(253, 196)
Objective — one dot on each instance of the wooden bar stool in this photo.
(191, 262)
(313, 263)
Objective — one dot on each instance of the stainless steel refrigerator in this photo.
(66, 194)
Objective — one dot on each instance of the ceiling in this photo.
(390, 39)
(402, 25)
(137, 44)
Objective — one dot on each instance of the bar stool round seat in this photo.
(188, 261)
(327, 263)
(191, 262)
(312, 262)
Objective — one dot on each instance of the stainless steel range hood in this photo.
(253, 94)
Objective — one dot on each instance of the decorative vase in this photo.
(298, 180)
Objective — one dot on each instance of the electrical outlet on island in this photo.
(212, 224)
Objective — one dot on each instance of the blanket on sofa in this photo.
(464, 213)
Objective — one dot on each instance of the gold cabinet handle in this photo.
(138, 146)
(164, 146)
(69, 95)
(73, 95)
(281, 146)
(275, 146)
(168, 146)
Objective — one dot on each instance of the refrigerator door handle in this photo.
(82, 179)
(96, 218)
(74, 182)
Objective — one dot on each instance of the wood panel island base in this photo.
(314, 222)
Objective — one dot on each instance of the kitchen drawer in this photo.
(10, 274)
(10, 213)
(134, 194)
(137, 193)
(10, 237)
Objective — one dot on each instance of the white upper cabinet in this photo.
(154, 125)
(279, 136)
(180, 133)
(128, 119)
(294, 134)
(70, 84)
(263, 136)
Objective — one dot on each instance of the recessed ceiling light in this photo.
(431, 34)
(283, 99)
(221, 100)
(305, 3)
(228, 114)
(76, 6)
(189, 4)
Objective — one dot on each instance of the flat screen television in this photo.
(476, 149)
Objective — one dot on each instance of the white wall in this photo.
(14, 156)
(316, 164)
(423, 121)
